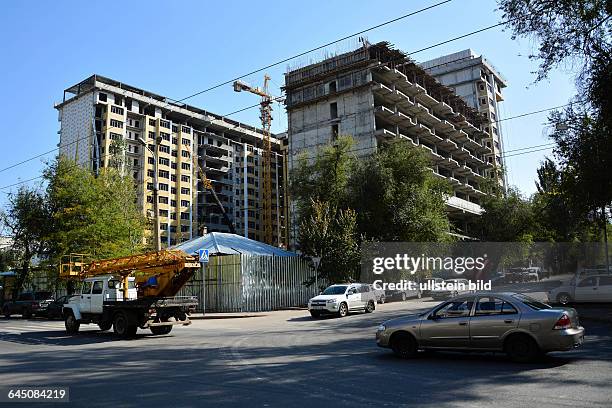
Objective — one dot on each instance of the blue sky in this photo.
(178, 48)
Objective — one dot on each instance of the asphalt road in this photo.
(287, 359)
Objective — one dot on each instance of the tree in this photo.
(97, 216)
(397, 198)
(331, 234)
(26, 219)
(506, 218)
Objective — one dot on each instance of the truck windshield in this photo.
(335, 290)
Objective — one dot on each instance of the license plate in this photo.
(318, 307)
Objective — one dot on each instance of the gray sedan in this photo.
(511, 322)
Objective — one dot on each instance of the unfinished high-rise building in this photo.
(376, 93)
(99, 111)
(480, 84)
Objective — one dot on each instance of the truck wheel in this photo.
(6, 312)
(26, 313)
(121, 326)
(160, 330)
(71, 324)
(104, 326)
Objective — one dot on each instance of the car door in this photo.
(354, 298)
(85, 301)
(586, 290)
(448, 325)
(605, 289)
(492, 319)
(97, 296)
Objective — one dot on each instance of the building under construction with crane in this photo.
(206, 164)
(376, 93)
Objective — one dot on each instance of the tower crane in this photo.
(207, 184)
(265, 114)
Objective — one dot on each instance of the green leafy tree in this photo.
(26, 219)
(397, 198)
(506, 218)
(92, 215)
(330, 234)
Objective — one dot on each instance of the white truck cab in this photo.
(343, 298)
(96, 291)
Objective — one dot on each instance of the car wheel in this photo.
(564, 298)
(419, 294)
(382, 300)
(370, 307)
(26, 313)
(71, 324)
(314, 313)
(521, 348)
(6, 312)
(404, 345)
(342, 310)
(403, 296)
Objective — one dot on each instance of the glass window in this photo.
(531, 302)
(335, 290)
(493, 306)
(97, 288)
(592, 281)
(457, 308)
(605, 280)
(86, 287)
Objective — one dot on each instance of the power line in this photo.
(315, 49)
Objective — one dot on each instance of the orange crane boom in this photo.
(158, 274)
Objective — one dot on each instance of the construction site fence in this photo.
(249, 283)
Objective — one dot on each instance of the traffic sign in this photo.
(203, 255)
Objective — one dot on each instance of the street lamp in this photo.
(155, 193)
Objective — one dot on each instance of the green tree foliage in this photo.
(26, 219)
(576, 33)
(331, 234)
(92, 215)
(397, 198)
(506, 218)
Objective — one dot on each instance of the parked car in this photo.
(445, 294)
(55, 308)
(342, 299)
(511, 322)
(515, 275)
(28, 304)
(402, 295)
(380, 295)
(594, 288)
(430, 282)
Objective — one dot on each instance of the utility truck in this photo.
(137, 291)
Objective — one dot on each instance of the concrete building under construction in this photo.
(99, 111)
(376, 93)
(480, 84)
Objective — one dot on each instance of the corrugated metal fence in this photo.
(250, 283)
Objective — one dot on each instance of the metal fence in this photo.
(249, 283)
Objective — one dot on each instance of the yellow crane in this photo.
(265, 114)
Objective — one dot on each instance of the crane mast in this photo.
(265, 114)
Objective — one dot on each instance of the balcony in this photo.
(442, 109)
(426, 99)
(458, 204)
(384, 134)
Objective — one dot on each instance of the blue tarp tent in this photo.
(221, 243)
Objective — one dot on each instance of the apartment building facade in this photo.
(476, 80)
(107, 123)
(376, 93)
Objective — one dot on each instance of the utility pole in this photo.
(605, 226)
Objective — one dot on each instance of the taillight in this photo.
(564, 322)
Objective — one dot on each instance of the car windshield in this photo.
(334, 290)
(531, 302)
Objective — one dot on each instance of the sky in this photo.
(178, 48)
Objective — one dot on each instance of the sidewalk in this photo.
(237, 315)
